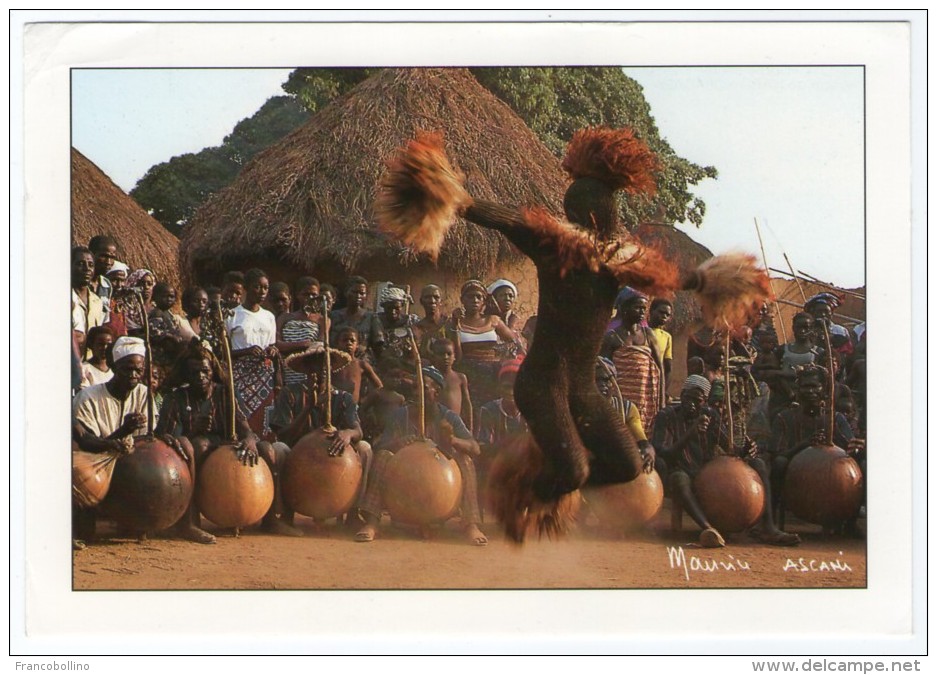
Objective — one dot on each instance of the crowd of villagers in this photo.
(468, 355)
(480, 365)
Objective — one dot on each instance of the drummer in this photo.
(443, 427)
(195, 414)
(298, 409)
(687, 436)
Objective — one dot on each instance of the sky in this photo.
(787, 142)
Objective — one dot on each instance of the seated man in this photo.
(300, 409)
(806, 424)
(107, 417)
(443, 427)
(688, 435)
(196, 413)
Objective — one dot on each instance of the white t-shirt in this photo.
(102, 414)
(90, 375)
(251, 329)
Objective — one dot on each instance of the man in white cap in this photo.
(106, 417)
(688, 436)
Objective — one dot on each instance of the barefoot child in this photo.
(455, 393)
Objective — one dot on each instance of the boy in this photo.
(350, 377)
(658, 319)
(455, 392)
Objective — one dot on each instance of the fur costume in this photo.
(575, 434)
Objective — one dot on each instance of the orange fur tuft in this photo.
(633, 264)
(615, 157)
(731, 289)
(512, 495)
(420, 194)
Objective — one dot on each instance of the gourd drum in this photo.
(150, 489)
(823, 485)
(627, 506)
(318, 485)
(230, 493)
(730, 493)
(422, 486)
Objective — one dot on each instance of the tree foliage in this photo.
(554, 102)
(173, 190)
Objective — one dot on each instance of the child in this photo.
(658, 319)
(350, 377)
(455, 393)
(232, 289)
(162, 319)
(95, 369)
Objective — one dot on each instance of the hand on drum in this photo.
(338, 440)
(749, 450)
(132, 422)
(648, 455)
(855, 446)
(247, 452)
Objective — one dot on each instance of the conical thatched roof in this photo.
(100, 207)
(679, 248)
(308, 198)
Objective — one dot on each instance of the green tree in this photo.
(554, 103)
(172, 191)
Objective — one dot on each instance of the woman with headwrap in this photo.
(142, 281)
(502, 294)
(481, 342)
(635, 351)
(396, 322)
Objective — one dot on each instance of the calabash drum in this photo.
(150, 489)
(231, 494)
(730, 493)
(422, 486)
(823, 485)
(318, 485)
(627, 506)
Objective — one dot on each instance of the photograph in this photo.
(364, 319)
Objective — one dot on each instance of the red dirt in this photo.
(328, 558)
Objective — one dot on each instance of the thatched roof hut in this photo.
(304, 205)
(100, 207)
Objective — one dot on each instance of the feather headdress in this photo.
(614, 156)
(730, 288)
(420, 194)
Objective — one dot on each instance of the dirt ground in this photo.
(328, 558)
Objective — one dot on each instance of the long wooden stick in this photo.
(328, 428)
(764, 259)
(835, 314)
(420, 400)
(232, 399)
(796, 278)
(729, 394)
(831, 286)
(147, 367)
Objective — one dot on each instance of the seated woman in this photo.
(454, 440)
(195, 306)
(481, 341)
(144, 281)
(195, 413)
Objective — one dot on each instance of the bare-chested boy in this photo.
(351, 376)
(455, 392)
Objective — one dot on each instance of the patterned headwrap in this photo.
(434, 374)
(830, 299)
(473, 283)
(697, 382)
(393, 294)
(138, 275)
(628, 294)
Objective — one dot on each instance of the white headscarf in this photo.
(495, 285)
(393, 294)
(128, 346)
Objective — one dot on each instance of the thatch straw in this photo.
(100, 207)
(309, 198)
